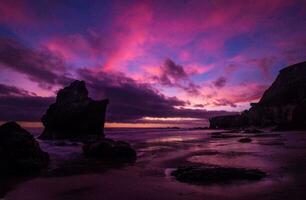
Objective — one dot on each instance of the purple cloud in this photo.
(220, 82)
(174, 75)
(42, 66)
(7, 90)
(19, 104)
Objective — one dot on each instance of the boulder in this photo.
(245, 140)
(74, 114)
(252, 131)
(109, 150)
(224, 136)
(200, 174)
(20, 153)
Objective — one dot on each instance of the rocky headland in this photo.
(282, 105)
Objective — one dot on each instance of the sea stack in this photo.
(74, 114)
(282, 105)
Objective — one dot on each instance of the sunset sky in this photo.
(159, 62)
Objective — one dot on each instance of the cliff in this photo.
(283, 104)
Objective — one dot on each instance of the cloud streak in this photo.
(42, 67)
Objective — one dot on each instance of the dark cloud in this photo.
(19, 104)
(129, 101)
(224, 102)
(41, 66)
(26, 108)
(199, 106)
(220, 82)
(132, 101)
(7, 90)
(174, 75)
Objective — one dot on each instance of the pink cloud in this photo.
(130, 31)
(231, 96)
(196, 69)
(73, 47)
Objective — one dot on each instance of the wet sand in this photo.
(282, 156)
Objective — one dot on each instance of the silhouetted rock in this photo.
(228, 121)
(252, 131)
(199, 128)
(74, 114)
(224, 136)
(245, 140)
(110, 150)
(210, 174)
(283, 104)
(266, 135)
(19, 151)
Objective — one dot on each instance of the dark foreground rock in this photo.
(224, 136)
(74, 114)
(209, 174)
(252, 131)
(245, 140)
(228, 122)
(282, 105)
(19, 151)
(110, 150)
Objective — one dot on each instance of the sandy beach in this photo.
(280, 155)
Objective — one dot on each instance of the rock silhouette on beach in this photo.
(214, 174)
(74, 114)
(245, 140)
(283, 104)
(110, 149)
(20, 153)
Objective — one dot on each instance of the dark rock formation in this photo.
(110, 150)
(19, 151)
(224, 136)
(228, 121)
(245, 140)
(209, 174)
(252, 131)
(74, 114)
(283, 104)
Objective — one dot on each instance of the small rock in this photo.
(60, 143)
(245, 140)
(224, 136)
(252, 131)
(110, 149)
(211, 174)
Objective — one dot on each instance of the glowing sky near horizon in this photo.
(213, 55)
